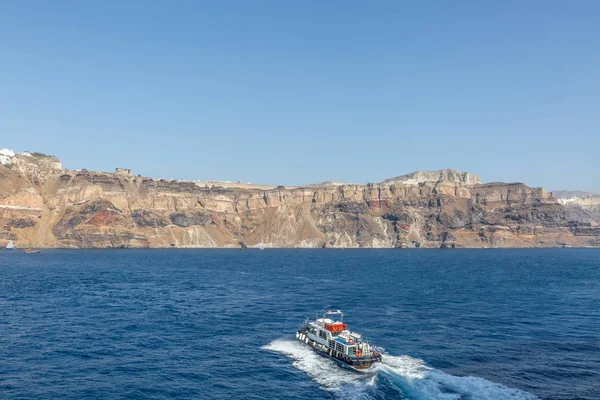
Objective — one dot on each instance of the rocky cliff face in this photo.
(43, 205)
(445, 175)
(581, 206)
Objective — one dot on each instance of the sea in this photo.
(220, 324)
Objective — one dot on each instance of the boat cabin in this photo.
(332, 332)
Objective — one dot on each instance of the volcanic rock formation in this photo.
(43, 205)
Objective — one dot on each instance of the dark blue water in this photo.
(153, 324)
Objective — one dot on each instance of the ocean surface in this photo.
(220, 324)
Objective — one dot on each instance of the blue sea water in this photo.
(220, 324)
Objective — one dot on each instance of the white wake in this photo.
(409, 375)
(418, 381)
(327, 373)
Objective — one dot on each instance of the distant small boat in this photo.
(260, 246)
(30, 250)
(10, 245)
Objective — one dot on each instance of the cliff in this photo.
(581, 206)
(43, 205)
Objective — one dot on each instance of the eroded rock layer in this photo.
(42, 205)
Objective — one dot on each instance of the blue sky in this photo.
(300, 92)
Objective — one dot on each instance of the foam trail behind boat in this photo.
(397, 377)
(327, 373)
(420, 382)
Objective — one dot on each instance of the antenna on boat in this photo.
(322, 310)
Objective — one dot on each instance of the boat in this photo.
(30, 250)
(260, 246)
(330, 337)
(10, 245)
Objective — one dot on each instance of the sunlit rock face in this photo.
(44, 205)
(444, 175)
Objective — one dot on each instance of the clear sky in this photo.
(293, 92)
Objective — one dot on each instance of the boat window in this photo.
(351, 350)
(322, 334)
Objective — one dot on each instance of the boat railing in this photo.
(304, 325)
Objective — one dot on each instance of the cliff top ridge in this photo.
(448, 175)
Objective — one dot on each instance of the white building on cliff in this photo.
(5, 156)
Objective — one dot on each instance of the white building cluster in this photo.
(567, 201)
(5, 156)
